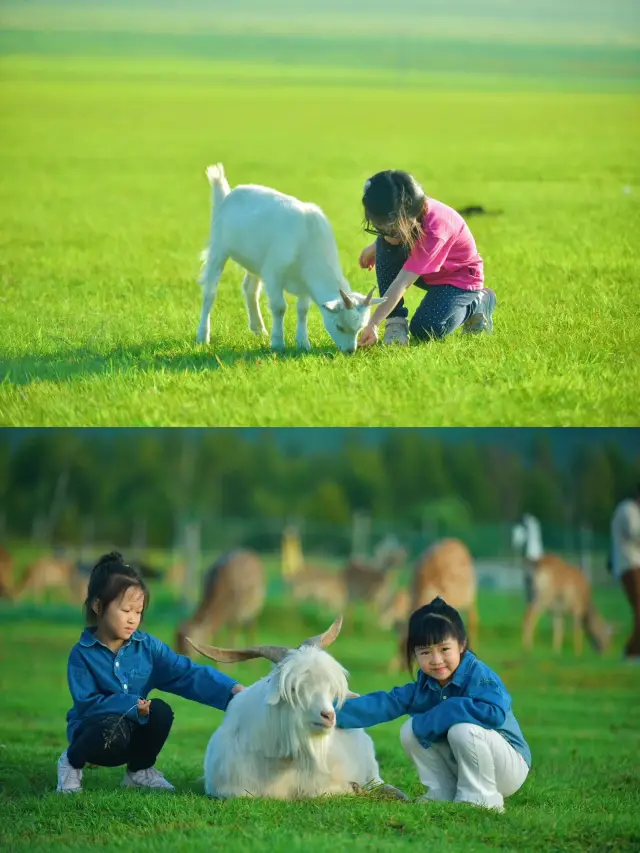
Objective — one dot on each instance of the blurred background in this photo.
(175, 501)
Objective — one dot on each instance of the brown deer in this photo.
(233, 597)
(554, 585)
(445, 569)
(52, 572)
(6, 574)
(361, 580)
(395, 610)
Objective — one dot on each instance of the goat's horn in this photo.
(273, 653)
(324, 640)
(369, 296)
(348, 301)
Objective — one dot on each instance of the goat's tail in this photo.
(219, 183)
(220, 189)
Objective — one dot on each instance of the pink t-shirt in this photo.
(446, 253)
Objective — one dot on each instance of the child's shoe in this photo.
(482, 320)
(69, 779)
(149, 778)
(396, 331)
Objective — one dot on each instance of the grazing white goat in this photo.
(278, 738)
(288, 245)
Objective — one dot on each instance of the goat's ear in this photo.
(334, 305)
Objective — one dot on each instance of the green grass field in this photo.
(580, 716)
(106, 127)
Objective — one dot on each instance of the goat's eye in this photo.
(341, 329)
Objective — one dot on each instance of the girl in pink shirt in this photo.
(424, 242)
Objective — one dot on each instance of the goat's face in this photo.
(305, 688)
(345, 318)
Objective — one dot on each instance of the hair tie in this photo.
(366, 186)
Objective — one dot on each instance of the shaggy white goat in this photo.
(288, 245)
(278, 738)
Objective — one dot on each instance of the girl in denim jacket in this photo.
(462, 736)
(111, 671)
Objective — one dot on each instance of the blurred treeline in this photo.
(70, 485)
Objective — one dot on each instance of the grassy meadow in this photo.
(108, 119)
(580, 716)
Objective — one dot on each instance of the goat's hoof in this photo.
(357, 789)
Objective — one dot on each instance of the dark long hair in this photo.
(431, 624)
(395, 203)
(110, 579)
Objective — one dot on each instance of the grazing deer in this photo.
(6, 574)
(555, 585)
(51, 572)
(445, 569)
(233, 596)
(361, 580)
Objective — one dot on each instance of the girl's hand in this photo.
(143, 707)
(237, 688)
(368, 336)
(368, 257)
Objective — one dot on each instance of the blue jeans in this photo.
(444, 307)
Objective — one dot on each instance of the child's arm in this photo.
(374, 708)
(90, 702)
(393, 295)
(487, 706)
(178, 674)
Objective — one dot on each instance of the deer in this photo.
(552, 584)
(52, 572)
(444, 569)
(233, 596)
(361, 580)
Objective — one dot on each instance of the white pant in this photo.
(473, 765)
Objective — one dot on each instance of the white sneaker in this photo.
(482, 320)
(149, 778)
(69, 779)
(396, 331)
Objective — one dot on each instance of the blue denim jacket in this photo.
(105, 682)
(475, 695)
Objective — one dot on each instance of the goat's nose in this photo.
(329, 716)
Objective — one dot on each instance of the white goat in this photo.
(279, 738)
(288, 245)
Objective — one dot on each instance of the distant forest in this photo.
(60, 478)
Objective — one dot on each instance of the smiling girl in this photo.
(111, 671)
(462, 736)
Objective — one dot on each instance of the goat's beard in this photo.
(286, 737)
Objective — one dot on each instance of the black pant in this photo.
(443, 309)
(111, 740)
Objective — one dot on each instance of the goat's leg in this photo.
(251, 287)
(210, 280)
(558, 631)
(302, 334)
(278, 306)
